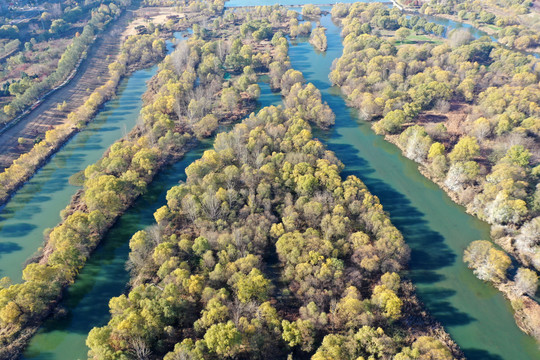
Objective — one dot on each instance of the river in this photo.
(436, 229)
(86, 302)
(36, 206)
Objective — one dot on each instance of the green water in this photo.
(36, 206)
(104, 276)
(436, 229)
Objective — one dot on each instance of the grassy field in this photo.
(414, 39)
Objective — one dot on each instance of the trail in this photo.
(92, 73)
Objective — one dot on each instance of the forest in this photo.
(276, 253)
(468, 112)
(270, 248)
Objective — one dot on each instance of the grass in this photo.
(493, 27)
(413, 39)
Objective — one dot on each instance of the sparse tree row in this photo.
(188, 98)
(264, 253)
(469, 112)
(137, 51)
(515, 28)
(32, 91)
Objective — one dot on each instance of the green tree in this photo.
(466, 149)
(223, 339)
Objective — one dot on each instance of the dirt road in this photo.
(92, 73)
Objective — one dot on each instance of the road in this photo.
(92, 73)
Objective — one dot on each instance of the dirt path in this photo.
(92, 73)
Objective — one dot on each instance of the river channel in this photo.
(436, 229)
(86, 302)
(36, 206)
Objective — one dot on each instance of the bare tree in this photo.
(139, 349)
(180, 57)
(190, 207)
(211, 204)
(459, 37)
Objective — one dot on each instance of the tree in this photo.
(425, 347)
(528, 241)
(391, 123)
(526, 281)
(488, 263)
(253, 286)
(223, 339)
(402, 34)
(58, 26)
(229, 99)
(466, 149)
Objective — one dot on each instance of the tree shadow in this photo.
(9, 247)
(16, 230)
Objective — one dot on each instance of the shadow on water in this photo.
(104, 276)
(436, 229)
(8, 247)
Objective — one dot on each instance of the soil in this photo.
(92, 73)
(156, 15)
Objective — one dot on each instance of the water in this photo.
(36, 206)
(104, 275)
(239, 3)
(456, 25)
(436, 229)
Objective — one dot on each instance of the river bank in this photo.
(28, 163)
(436, 229)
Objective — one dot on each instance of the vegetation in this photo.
(468, 111)
(25, 88)
(264, 251)
(318, 39)
(511, 21)
(185, 104)
(137, 51)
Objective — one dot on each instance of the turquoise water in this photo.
(37, 205)
(104, 276)
(436, 229)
